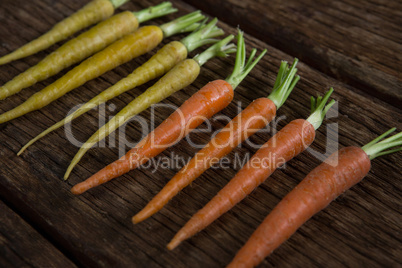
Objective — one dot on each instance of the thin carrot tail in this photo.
(217, 206)
(149, 210)
(131, 160)
(177, 239)
(91, 13)
(114, 123)
(109, 172)
(29, 105)
(145, 213)
(163, 197)
(196, 223)
(83, 109)
(183, 178)
(88, 145)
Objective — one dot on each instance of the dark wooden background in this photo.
(354, 46)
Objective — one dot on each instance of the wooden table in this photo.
(353, 46)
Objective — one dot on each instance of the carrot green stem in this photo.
(241, 68)
(154, 12)
(186, 23)
(319, 109)
(284, 83)
(117, 3)
(378, 147)
(202, 36)
(220, 49)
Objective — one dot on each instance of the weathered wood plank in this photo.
(22, 246)
(357, 42)
(358, 229)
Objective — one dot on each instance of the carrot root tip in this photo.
(172, 245)
(136, 219)
(76, 191)
(177, 239)
(144, 214)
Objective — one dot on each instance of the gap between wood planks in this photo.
(23, 226)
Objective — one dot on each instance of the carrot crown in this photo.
(202, 36)
(117, 3)
(284, 83)
(186, 23)
(379, 147)
(152, 12)
(220, 49)
(241, 68)
(319, 109)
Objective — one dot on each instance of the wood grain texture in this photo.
(357, 42)
(359, 229)
(22, 246)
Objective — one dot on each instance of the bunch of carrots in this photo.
(118, 39)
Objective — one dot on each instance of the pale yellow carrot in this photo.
(91, 13)
(83, 46)
(130, 46)
(160, 63)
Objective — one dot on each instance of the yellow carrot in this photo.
(91, 13)
(130, 46)
(83, 46)
(160, 63)
(182, 75)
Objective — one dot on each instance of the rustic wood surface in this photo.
(21, 245)
(361, 228)
(358, 42)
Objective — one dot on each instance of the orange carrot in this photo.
(318, 189)
(173, 129)
(293, 139)
(256, 116)
(209, 100)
